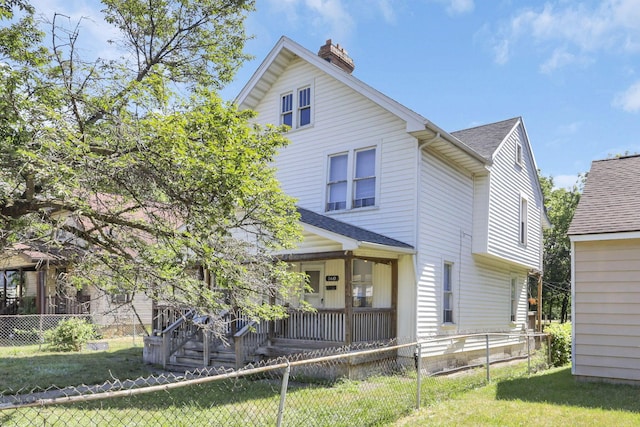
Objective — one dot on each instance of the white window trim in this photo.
(513, 298)
(351, 159)
(523, 238)
(453, 295)
(519, 154)
(295, 120)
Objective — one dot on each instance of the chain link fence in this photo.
(29, 329)
(371, 384)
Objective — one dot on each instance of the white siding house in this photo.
(605, 288)
(452, 222)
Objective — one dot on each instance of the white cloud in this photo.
(565, 181)
(387, 11)
(457, 7)
(629, 100)
(569, 32)
(329, 15)
(94, 31)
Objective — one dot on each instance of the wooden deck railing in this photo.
(177, 334)
(247, 340)
(367, 324)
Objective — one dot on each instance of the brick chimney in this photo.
(336, 55)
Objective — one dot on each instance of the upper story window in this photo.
(286, 110)
(304, 106)
(295, 111)
(351, 180)
(523, 221)
(518, 154)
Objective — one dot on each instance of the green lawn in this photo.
(26, 368)
(550, 398)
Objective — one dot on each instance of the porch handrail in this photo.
(176, 335)
(248, 339)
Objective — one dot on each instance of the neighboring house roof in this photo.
(486, 139)
(610, 202)
(348, 230)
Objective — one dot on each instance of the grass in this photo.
(512, 398)
(549, 398)
(26, 368)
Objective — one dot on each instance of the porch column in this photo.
(348, 299)
(394, 298)
(41, 294)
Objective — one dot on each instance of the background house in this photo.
(605, 257)
(462, 211)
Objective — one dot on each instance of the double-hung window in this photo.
(447, 293)
(304, 106)
(286, 109)
(362, 283)
(522, 226)
(295, 108)
(351, 180)
(337, 183)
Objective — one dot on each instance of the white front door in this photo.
(315, 281)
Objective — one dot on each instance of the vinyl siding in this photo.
(481, 286)
(508, 182)
(344, 120)
(607, 309)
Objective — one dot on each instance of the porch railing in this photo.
(247, 340)
(367, 324)
(177, 334)
(58, 304)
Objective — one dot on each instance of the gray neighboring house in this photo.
(605, 261)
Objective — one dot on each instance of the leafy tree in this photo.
(134, 168)
(561, 204)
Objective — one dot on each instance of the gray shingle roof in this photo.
(348, 230)
(487, 138)
(610, 202)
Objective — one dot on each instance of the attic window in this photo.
(519, 154)
(296, 107)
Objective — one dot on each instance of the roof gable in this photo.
(610, 202)
(286, 50)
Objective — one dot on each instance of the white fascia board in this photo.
(378, 246)
(348, 244)
(605, 236)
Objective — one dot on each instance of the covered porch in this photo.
(352, 288)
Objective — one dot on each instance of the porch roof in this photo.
(354, 233)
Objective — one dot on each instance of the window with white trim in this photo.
(362, 283)
(351, 180)
(300, 104)
(514, 298)
(447, 293)
(523, 221)
(519, 154)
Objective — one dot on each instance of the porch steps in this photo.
(191, 356)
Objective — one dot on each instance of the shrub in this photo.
(560, 343)
(69, 335)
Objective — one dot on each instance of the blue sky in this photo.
(570, 69)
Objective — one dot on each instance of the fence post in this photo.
(549, 361)
(419, 372)
(488, 368)
(528, 356)
(283, 394)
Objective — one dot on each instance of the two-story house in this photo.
(409, 231)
